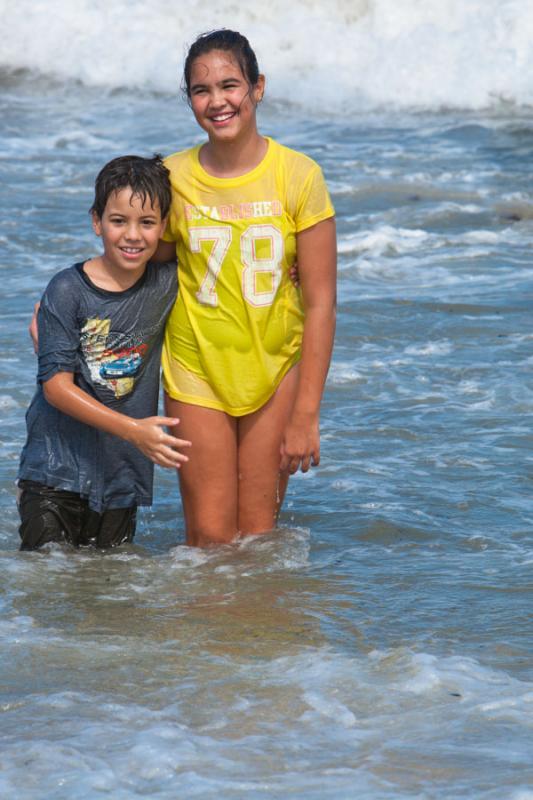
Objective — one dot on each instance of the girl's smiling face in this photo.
(223, 101)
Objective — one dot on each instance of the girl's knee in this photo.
(205, 535)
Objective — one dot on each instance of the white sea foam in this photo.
(187, 558)
(336, 687)
(6, 401)
(339, 56)
(384, 240)
(440, 348)
(343, 372)
(281, 549)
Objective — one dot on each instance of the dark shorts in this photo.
(54, 515)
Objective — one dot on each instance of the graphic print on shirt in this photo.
(261, 256)
(114, 368)
(229, 211)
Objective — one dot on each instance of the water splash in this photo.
(340, 57)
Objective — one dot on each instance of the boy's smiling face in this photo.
(130, 232)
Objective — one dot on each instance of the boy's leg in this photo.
(48, 515)
(110, 528)
(261, 484)
(208, 480)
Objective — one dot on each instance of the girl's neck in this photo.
(230, 159)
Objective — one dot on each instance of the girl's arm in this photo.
(317, 267)
(166, 251)
(146, 434)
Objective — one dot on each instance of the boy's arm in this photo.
(146, 434)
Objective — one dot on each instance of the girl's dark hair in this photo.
(147, 177)
(224, 39)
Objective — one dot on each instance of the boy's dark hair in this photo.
(147, 177)
(223, 39)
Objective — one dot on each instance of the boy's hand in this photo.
(146, 434)
(33, 331)
(157, 445)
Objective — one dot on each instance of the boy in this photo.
(92, 429)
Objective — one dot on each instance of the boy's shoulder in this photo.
(64, 281)
(163, 267)
(161, 274)
(68, 285)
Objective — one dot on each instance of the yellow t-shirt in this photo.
(238, 320)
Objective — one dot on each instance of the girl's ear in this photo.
(97, 224)
(259, 89)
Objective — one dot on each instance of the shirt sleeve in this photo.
(170, 233)
(313, 203)
(59, 330)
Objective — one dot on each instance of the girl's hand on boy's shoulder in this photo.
(160, 447)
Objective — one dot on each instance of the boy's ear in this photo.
(97, 223)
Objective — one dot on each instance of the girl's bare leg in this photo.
(208, 481)
(232, 482)
(261, 484)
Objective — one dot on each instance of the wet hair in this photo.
(229, 41)
(146, 177)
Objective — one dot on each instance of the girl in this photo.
(246, 354)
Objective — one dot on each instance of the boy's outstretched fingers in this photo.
(160, 447)
(174, 445)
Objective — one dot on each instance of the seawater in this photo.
(377, 645)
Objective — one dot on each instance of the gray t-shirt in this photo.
(112, 342)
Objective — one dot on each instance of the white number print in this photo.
(220, 235)
(254, 265)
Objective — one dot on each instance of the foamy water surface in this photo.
(339, 56)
